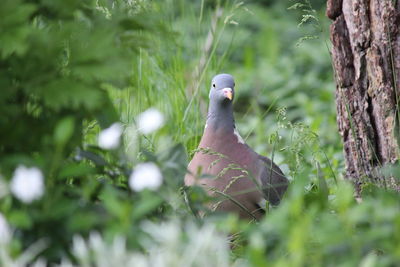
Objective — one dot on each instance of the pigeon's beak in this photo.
(228, 93)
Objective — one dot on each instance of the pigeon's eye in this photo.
(214, 85)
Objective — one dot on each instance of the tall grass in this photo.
(174, 73)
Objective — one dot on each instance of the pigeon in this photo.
(226, 167)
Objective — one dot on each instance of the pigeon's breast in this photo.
(223, 162)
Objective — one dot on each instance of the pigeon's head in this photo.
(222, 88)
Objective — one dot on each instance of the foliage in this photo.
(57, 61)
(72, 68)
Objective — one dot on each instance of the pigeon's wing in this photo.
(273, 181)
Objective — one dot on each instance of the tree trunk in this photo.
(366, 58)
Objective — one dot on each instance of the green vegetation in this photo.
(69, 69)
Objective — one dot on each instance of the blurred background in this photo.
(279, 54)
(103, 103)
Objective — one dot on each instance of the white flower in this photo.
(109, 138)
(150, 120)
(27, 184)
(5, 233)
(145, 175)
(79, 248)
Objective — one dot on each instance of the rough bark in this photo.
(366, 58)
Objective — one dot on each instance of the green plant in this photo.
(57, 61)
(70, 69)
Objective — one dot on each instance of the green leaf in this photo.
(64, 130)
(113, 202)
(96, 159)
(20, 219)
(76, 169)
(15, 27)
(82, 221)
(148, 204)
(67, 93)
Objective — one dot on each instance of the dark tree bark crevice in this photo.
(341, 53)
(377, 145)
(334, 9)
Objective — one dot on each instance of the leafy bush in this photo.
(57, 61)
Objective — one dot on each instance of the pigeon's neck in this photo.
(220, 117)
